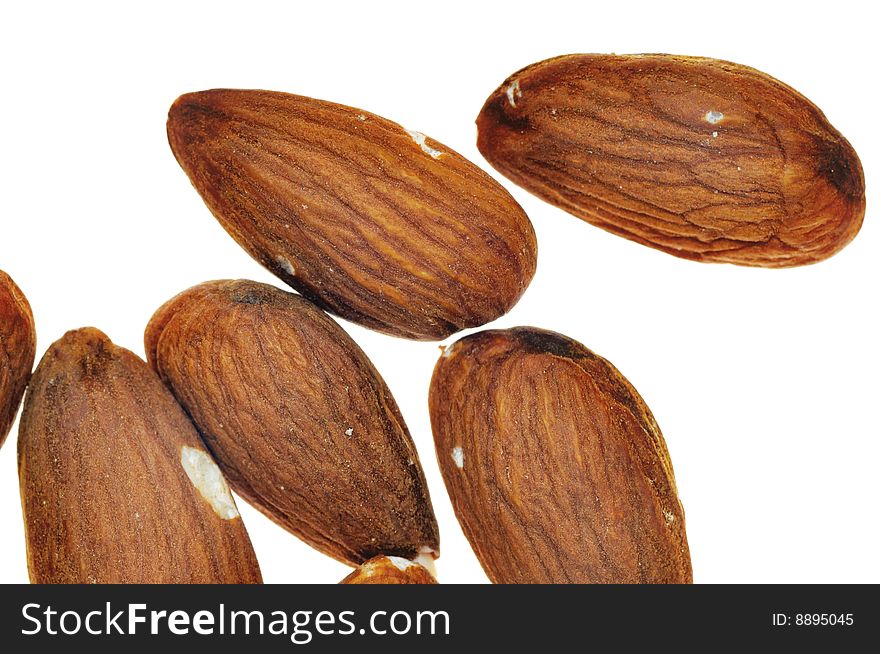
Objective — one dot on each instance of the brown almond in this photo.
(379, 225)
(18, 343)
(116, 486)
(704, 159)
(556, 469)
(297, 417)
(389, 570)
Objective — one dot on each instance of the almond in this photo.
(704, 159)
(297, 417)
(556, 469)
(379, 225)
(18, 342)
(116, 486)
(389, 570)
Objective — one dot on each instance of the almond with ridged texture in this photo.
(389, 570)
(556, 469)
(18, 342)
(297, 417)
(374, 223)
(116, 486)
(704, 159)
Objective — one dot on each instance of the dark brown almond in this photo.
(116, 486)
(379, 225)
(556, 469)
(18, 343)
(297, 417)
(704, 159)
(389, 570)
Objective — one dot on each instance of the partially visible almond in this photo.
(389, 570)
(380, 225)
(116, 486)
(18, 342)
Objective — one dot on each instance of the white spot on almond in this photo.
(286, 266)
(208, 480)
(361, 117)
(714, 117)
(349, 431)
(458, 456)
(401, 563)
(669, 515)
(513, 92)
(419, 138)
(425, 558)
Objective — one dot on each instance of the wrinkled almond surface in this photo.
(556, 469)
(116, 486)
(297, 417)
(18, 342)
(377, 224)
(700, 158)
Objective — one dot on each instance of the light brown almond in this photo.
(704, 159)
(555, 466)
(298, 418)
(374, 223)
(116, 486)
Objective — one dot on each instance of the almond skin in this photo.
(556, 469)
(297, 417)
(18, 343)
(389, 570)
(116, 486)
(378, 225)
(704, 159)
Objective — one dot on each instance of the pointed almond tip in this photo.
(85, 336)
(186, 101)
(76, 345)
(178, 108)
(186, 117)
(187, 104)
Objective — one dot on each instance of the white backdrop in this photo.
(763, 381)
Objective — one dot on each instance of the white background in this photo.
(763, 381)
